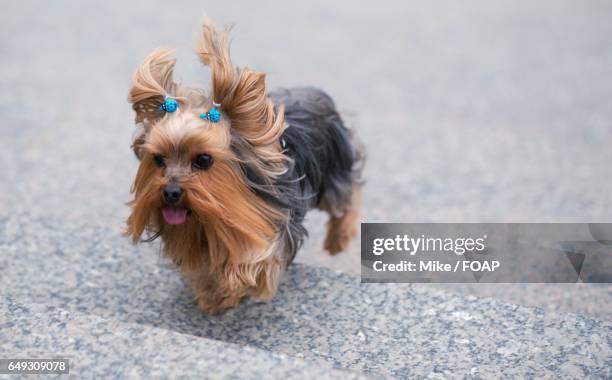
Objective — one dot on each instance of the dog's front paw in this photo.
(217, 306)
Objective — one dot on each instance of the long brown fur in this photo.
(243, 94)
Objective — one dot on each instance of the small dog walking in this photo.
(226, 177)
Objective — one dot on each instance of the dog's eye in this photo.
(202, 162)
(159, 160)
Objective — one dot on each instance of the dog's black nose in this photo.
(172, 193)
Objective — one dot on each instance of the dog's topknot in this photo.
(151, 82)
(243, 95)
(213, 51)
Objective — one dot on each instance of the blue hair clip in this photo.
(169, 105)
(212, 114)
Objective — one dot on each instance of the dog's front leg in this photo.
(216, 291)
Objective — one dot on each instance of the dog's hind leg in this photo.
(343, 224)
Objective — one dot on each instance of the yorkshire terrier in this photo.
(226, 177)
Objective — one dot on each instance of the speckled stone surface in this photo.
(318, 315)
(480, 111)
(98, 347)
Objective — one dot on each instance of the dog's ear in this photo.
(242, 94)
(151, 82)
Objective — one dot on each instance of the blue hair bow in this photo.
(169, 105)
(212, 114)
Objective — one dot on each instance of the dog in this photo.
(225, 177)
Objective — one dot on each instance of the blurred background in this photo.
(470, 111)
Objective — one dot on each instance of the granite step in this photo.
(105, 348)
(318, 315)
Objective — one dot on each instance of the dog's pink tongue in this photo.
(174, 215)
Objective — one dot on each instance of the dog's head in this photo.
(197, 173)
